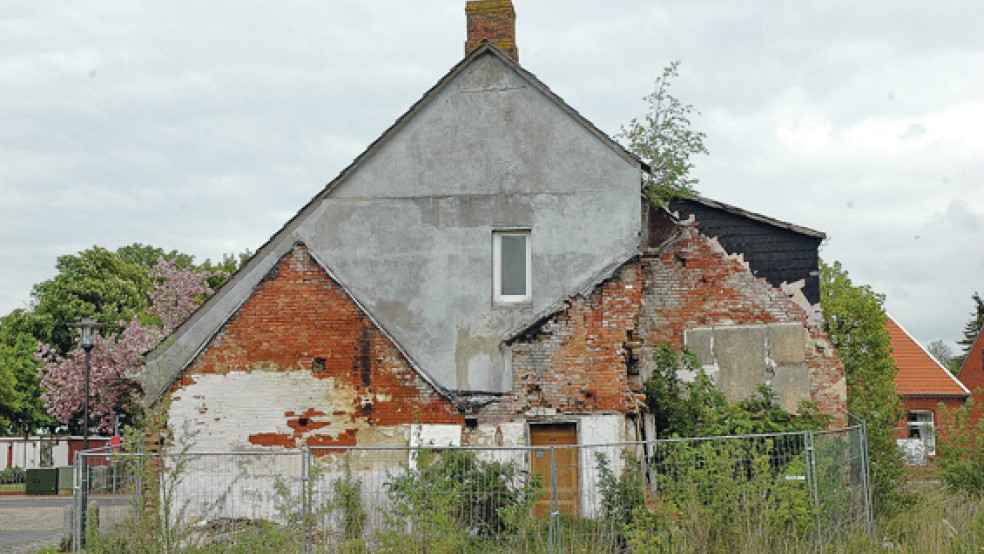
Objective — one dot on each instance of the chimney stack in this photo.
(492, 20)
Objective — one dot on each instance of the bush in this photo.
(960, 451)
(699, 409)
(451, 499)
(12, 475)
(715, 495)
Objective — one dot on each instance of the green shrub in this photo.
(960, 450)
(451, 500)
(720, 493)
(12, 475)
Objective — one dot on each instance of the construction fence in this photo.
(812, 486)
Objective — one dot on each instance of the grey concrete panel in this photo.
(788, 343)
(792, 383)
(740, 354)
(700, 342)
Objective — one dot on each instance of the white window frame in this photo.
(922, 426)
(497, 295)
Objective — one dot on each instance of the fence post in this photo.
(554, 504)
(306, 493)
(866, 478)
(811, 476)
(77, 502)
(83, 462)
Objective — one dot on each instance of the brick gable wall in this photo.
(296, 316)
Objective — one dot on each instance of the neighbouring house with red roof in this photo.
(971, 374)
(923, 384)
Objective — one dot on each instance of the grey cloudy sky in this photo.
(204, 126)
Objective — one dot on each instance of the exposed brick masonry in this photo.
(299, 314)
(692, 282)
(492, 20)
(576, 361)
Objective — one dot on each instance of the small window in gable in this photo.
(511, 260)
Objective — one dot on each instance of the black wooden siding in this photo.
(774, 250)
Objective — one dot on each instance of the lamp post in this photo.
(88, 327)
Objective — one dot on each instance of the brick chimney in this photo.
(492, 20)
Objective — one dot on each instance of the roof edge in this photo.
(484, 48)
(978, 341)
(711, 203)
(155, 396)
(931, 357)
(584, 290)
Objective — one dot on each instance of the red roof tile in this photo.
(919, 373)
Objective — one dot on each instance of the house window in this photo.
(921, 427)
(511, 260)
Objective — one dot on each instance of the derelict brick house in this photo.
(483, 274)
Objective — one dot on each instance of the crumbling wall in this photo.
(743, 329)
(577, 360)
(300, 364)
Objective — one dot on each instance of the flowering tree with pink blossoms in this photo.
(117, 359)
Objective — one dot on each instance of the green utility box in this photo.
(66, 478)
(41, 481)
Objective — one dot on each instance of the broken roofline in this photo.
(485, 48)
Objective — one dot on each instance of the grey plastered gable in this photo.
(407, 227)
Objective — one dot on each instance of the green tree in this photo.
(21, 409)
(854, 319)
(942, 353)
(973, 327)
(111, 286)
(98, 283)
(148, 256)
(664, 139)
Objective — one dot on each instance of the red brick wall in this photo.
(298, 313)
(972, 376)
(575, 362)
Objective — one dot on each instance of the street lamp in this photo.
(88, 327)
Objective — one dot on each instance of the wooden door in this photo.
(565, 462)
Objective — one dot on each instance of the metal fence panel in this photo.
(586, 498)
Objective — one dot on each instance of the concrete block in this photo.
(788, 341)
(740, 354)
(792, 383)
(700, 342)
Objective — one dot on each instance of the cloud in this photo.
(204, 126)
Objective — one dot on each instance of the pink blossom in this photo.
(116, 360)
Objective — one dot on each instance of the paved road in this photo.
(30, 523)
